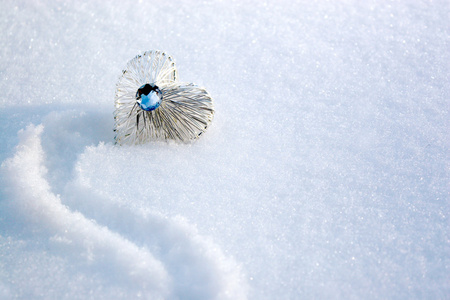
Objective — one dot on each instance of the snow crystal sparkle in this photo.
(152, 105)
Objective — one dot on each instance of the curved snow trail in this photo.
(85, 240)
(199, 268)
(146, 253)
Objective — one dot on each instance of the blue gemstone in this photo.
(150, 101)
(148, 97)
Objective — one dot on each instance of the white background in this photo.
(324, 175)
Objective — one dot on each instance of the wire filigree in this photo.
(185, 112)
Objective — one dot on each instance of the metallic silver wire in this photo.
(185, 112)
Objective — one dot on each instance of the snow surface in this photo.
(325, 173)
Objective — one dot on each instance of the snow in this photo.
(324, 175)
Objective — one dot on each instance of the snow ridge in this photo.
(175, 261)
